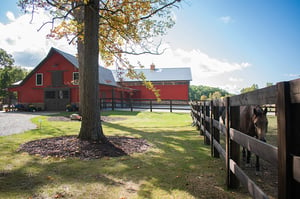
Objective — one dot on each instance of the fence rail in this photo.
(284, 99)
(151, 104)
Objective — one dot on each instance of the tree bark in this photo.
(91, 128)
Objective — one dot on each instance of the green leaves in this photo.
(8, 73)
(6, 60)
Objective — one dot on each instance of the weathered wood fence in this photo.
(286, 157)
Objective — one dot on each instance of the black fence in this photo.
(138, 104)
(284, 99)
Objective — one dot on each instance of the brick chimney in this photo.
(152, 66)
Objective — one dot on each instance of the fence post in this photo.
(113, 104)
(202, 115)
(171, 106)
(207, 124)
(211, 129)
(284, 161)
(198, 117)
(232, 148)
(227, 138)
(150, 105)
(215, 133)
(131, 106)
(288, 142)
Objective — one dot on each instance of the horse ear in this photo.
(265, 111)
(255, 111)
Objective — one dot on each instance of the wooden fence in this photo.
(151, 104)
(286, 157)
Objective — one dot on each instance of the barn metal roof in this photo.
(162, 74)
(105, 75)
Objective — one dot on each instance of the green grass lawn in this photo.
(178, 165)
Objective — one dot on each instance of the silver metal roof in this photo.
(162, 74)
(105, 75)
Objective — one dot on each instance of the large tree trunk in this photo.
(91, 128)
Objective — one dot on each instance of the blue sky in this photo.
(229, 44)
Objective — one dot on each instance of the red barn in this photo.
(53, 84)
(173, 83)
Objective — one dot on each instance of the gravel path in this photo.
(16, 122)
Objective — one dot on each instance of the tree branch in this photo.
(159, 9)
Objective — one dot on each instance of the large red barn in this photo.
(173, 83)
(53, 84)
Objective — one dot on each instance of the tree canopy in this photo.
(248, 89)
(111, 28)
(125, 26)
(8, 73)
(206, 92)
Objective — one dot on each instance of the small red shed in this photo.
(53, 84)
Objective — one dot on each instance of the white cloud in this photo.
(200, 63)
(21, 38)
(234, 79)
(206, 70)
(28, 46)
(10, 16)
(226, 19)
(292, 75)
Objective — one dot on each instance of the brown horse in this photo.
(253, 122)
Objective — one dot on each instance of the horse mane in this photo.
(258, 111)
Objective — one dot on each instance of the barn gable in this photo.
(105, 75)
(53, 83)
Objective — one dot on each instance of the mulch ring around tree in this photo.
(71, 146)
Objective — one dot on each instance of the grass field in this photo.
(178, 165)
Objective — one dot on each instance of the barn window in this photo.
(65, 94)
(50, 94)
(75, 78)
(39, 79)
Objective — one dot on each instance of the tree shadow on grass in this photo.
(177, 161)
(26, 180)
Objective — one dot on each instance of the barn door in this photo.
(57, 78)
(56, 99)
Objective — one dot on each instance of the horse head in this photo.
(260, 122)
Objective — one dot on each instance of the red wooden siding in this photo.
(31, 93)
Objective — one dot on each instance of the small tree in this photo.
(203, 97)
(216, 95)
(8, 73)
(248, 89)
(109, 27)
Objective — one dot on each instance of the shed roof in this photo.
(162, 74)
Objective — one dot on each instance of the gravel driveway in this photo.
(16, 122)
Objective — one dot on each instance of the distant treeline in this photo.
(206, 92)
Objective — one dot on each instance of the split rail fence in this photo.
(286, 157)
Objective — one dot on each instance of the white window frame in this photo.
(36, 79)
(73, 80)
